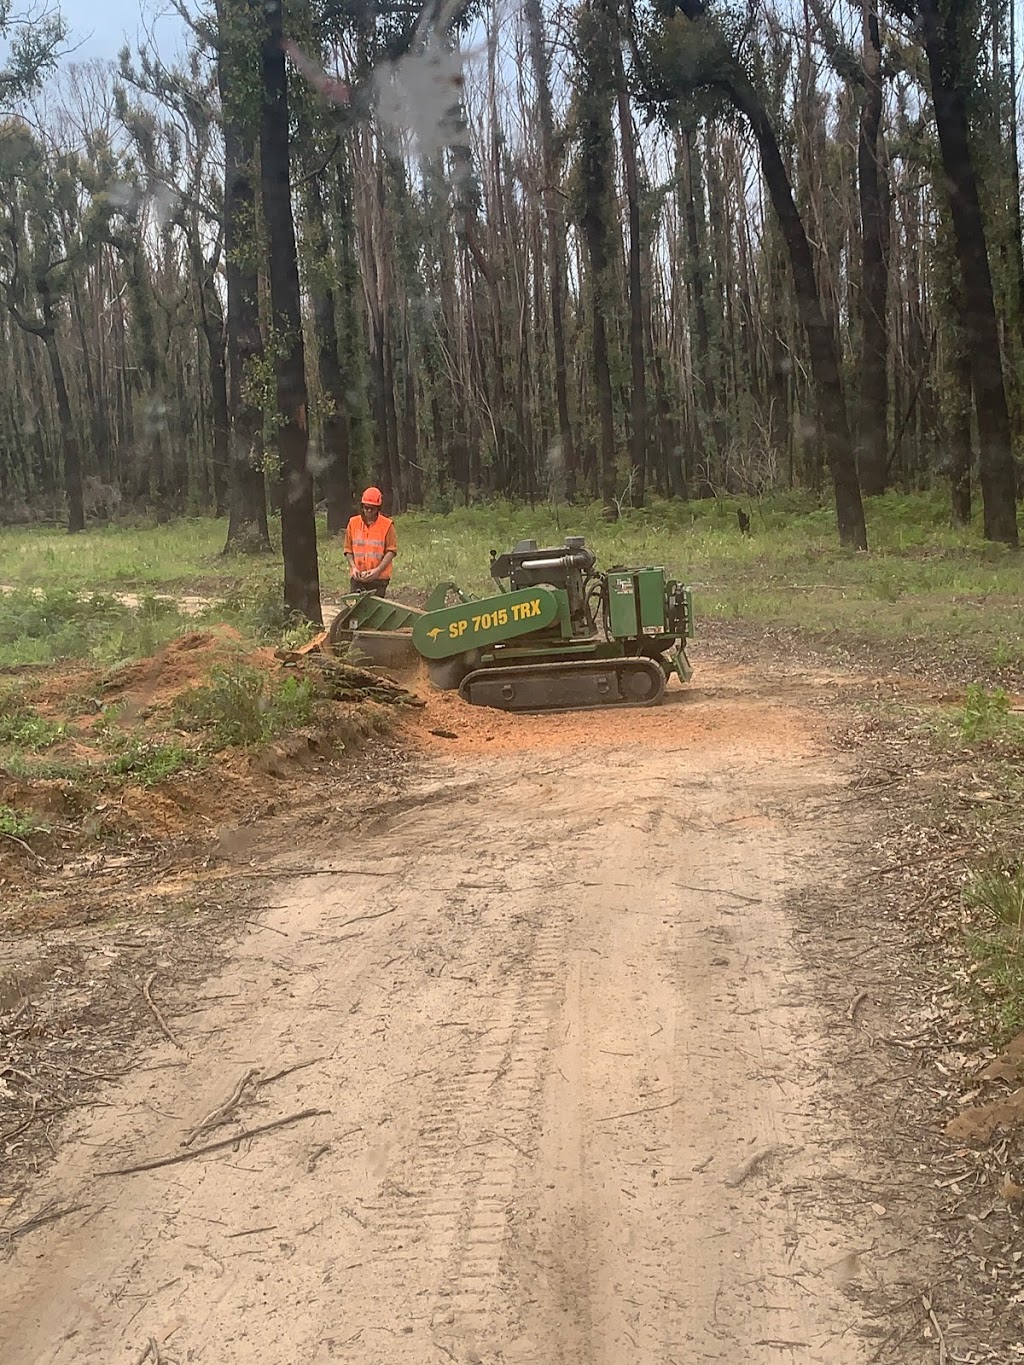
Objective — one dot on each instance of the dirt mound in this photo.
(186, 662)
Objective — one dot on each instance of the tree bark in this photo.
(821, 338)
(298, 519)
(958, 430)
(689, 187)
(70, 449)
(874, 214)
(69, 436)
(638, 374)
(248, 530)
(596, 160)
(555, 235)
(334, 435)
(981, 330)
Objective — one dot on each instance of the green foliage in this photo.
(149, 763)
(20, 824)
(986, 716)
(238, 707)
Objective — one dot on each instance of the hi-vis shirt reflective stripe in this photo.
(369, 544)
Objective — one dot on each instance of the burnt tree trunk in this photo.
(690, 187)
(638, 375)
(596, 160)
(981, 330)
(247, 491)
(334, 432)
(873, 442)
(555, 240)
(821, 334)
(298, 519)
(70, 450)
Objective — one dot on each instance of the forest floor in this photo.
(447, 1035)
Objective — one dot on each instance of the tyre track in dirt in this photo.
(577, 1015)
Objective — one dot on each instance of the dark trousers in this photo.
(377, 585)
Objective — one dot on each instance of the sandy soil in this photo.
(571, 1088)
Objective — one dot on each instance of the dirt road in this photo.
(575, 1101)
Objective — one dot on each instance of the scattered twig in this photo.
(315, 1156)
(40, 1220)
(143, 1355)
(943, 1353)
(251, 1232)
(748, 1167)
(269, 927)
(314, 872)
(21, 844)
(721, 891)
(630, 1113)
(855, 1005)
(223, 1111)
(356, 918)
(6, 1137)
(216, 1146)
(287, 1071)
(18, 1012)
(156, 1011)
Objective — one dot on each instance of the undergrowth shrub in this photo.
(239, 707)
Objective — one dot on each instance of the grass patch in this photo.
(22, 727)
(21, 824)
(923, 579)
(149, 762)
(996, 897)
(239, 707)
(58, 624)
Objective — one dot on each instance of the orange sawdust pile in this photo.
(689, 717)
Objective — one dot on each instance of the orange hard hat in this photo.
(373, 497)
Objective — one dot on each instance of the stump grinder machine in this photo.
(560, 635)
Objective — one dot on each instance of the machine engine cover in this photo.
(491, 621)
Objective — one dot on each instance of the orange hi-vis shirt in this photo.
(369, 544)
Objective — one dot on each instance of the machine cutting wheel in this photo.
(559, 636)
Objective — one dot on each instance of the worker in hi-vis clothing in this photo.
(370, 545)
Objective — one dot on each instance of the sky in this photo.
(99, 28)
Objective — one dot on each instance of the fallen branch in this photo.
(216, 1146)
(21, 844)
(748, 1167)
(223, 1111)
(631, 1113)
(156, 1011)
(270, 927)
(855, 1005)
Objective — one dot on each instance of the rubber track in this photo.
(513, 672)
